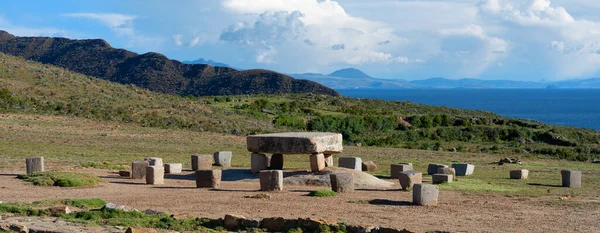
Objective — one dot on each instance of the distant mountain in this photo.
(205, 62)
(583, 83)
(349, 73)
(475, 83)
(153, 71)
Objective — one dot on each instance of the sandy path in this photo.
(390, 208)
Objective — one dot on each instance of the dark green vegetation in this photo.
(61, 179)
(39, 208)
(28, 87)
(322, 193)
(152, 70)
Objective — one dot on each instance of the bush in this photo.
(61, 179)
(322, 193)
(85, 203)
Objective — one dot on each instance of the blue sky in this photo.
(487, 39)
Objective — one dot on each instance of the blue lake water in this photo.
(568, 107)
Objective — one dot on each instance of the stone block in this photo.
(350, 162)
(138, 169)
(173, 168)
(276, 162)
(432, 168)
(232, 222)
(208, 178)
(396, 168)
(441, 178)
(317, 162)
(59, 210)
(125, 173)
(369, 166)
(155, 161)
(295, 143)
(259, 162)
(223, 158)
(571, 179)
(519, 174)
(155, 175)
(409, 178)
(34, 164)
(342, 182)
(314, 224)
(360, 229)
(425, 194)
(140, 230)
(202, 162)
(447, 170)
(328, 160)
(279, 224)
(271, 180)
(464, 169)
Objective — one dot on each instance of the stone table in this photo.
(319, 145)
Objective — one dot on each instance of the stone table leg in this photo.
(258, 162)
(317, 162)
(276, 162)
(328, 160)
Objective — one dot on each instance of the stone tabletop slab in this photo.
(295, 143)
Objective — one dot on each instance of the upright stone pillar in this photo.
(328, 160)
(258, 162)
(202, 162)
(317, 162)
(155, 175)
(271, 180)
(276, 162)
(208, 178)
(35, 164)
(138, 169)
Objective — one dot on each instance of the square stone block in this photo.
(271, 180)
(409, 178)
(259, 162)
(317, 162)
(447, 170)
(432, 168)
(571, 179)
(138, 169)
(425, 194)
(396, 168)
(369, 166)
(519, 174)
(350, 162)
(34, 164)
(223, 158)
(202, 162)
(155, 161)
(342, 182)
(464, 169)
(208, 178)
(155, 175)
(441, 178)
(173, 168)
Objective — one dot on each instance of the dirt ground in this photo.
(388, 208)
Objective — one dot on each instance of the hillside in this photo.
(153, 71)
(34, 88)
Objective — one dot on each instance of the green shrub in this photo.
(85, 203)
(61, 179)
(322, 193)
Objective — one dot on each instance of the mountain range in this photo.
(351, 78)
(154, 71)
(205, 62)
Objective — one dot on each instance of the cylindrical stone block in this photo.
(432, 168)
(425, 194)
(317, 162)
(138, 169)
(173, 168)
(342, 182)
(271, 180)
(34, 164)
(223, 158)
(464, 169)
(519, 174)
(155, 161)
(571, 179)
(258, 162)
(276, 162)
(202, 162)
(155, 175)
(409, 178)
(208, 178)
(328, 160)
(396, 168)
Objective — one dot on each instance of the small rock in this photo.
(141, 230)
(153, 212)
(56, 211)
(259, 196)
(125, 173)
(232, 222)
(369, 166)
(114, 206)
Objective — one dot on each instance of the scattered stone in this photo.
(328, 160)
(276, 162)
(258, 162)
(342, 182)
(359, 229)
(153, 212)
(113, 206)
(409, 178)
(317, 162)
(208, 178)
(313, 224)
(140, 230)
(519, 174)
(271, 180)
(571, 179)
(125, 173)
(223, 158)
(232, 222)
(441, 178)
(392, 230)
(396, 168)
(278, 224)
(155, 175)
(425, 194)
(369, 166)
(259, 196)
(250, 223)
(432, 168)
(202, 162)
(447, 170)
(464, 169)
(173, 168)
(138, 169)
(34, 164)
(350, 162)
(59, 210)
(155, 161)
(295, 143)
(508, 160)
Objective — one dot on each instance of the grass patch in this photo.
(85, 203)
(322, 193)
(103, 165)
(61, 179)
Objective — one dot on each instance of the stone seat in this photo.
(295, 143)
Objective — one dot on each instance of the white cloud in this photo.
(266, 56)
(120, 23)
(177, 39)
